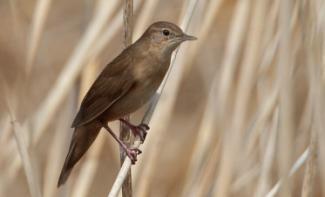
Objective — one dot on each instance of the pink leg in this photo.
(132, 153)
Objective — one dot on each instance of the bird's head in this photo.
(166, 36)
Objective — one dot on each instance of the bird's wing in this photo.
(112, 84)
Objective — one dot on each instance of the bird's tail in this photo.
(82, 138)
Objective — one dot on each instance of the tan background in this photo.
(277, 86)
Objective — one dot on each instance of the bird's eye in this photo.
(166, 32)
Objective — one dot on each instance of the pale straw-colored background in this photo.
(244, 105)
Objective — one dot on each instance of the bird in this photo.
(124, 85)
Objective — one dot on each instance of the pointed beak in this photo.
(188, 37)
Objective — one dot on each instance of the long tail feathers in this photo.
(82, 138)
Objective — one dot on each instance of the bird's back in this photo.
(124, 85)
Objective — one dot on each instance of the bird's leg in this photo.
(132, 153)
(137, 130)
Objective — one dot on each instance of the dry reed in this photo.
(241, 113)
(125, 134)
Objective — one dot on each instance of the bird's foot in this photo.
(132, 153)
(137, 130)
(141, 131)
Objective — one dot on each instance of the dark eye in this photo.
(166, 32)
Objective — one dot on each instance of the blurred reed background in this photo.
(242, 113)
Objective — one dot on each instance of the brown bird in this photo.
(125, 85)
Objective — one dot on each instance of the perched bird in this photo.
(125, 85)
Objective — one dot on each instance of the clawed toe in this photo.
(133, 153)
(140, 130)
(142, 134)
(144, 126)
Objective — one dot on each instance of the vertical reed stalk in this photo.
(125, 135)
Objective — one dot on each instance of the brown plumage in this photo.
(124, 85)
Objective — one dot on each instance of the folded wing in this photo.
(111, 85)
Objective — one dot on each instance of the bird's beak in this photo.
(188, 37)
